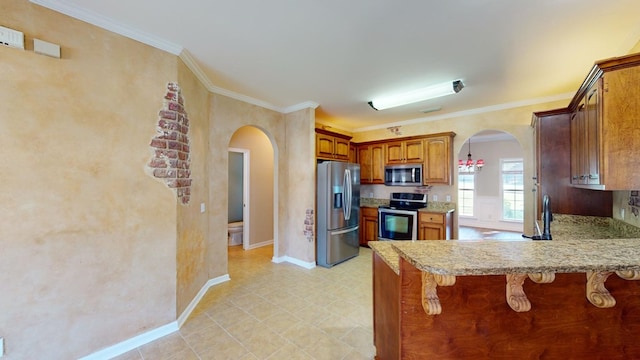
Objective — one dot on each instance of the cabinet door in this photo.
(325, 147)
(592, 152)
(377, 164)
(364, 155)
(402, 152)
(576, 145)
(341, 149)
(414, 151)
(368, 225)
(437, 163)
(428, 231)
(353, 153)
(394, 152)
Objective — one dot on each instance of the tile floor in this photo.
(276, 311)
(471, 233)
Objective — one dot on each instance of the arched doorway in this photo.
(256, 176)
(491, 197)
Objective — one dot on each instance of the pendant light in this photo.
(469, 164)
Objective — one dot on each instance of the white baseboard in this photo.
(155, 334)
(304, 264)
(260, 244)
(132, 343)
(203, 290)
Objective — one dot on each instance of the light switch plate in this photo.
(46, 48)
(10, 37)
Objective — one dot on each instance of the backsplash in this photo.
(431, 205)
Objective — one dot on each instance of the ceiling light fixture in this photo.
(468, 166)
(431, 92)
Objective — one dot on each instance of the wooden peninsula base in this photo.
(476, 322)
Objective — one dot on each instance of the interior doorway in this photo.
(238, 190)
(490, 197)
(257, 202)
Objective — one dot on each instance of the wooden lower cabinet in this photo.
(477, 323)
(368, 225)
(435, 225)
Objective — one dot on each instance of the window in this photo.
(512, 189)
(466, 193)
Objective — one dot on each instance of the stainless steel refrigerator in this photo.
(338, 206)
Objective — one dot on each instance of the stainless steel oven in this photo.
(397, 224)
(399, 220)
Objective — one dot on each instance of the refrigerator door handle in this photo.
(344, 231)
(346, 195)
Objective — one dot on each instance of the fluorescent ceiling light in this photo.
(431, 92)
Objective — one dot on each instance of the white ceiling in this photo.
(341, 54)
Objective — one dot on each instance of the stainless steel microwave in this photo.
(403, 175)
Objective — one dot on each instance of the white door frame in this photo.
(246, 162)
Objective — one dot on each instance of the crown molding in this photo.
(476, 111)
(300, 106)
(191, 63)
(108, 24)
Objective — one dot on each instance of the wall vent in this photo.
(13, 38)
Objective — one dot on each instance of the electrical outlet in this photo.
(448, 198)
(435, 197)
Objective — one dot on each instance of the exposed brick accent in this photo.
(171, 159)
(308, 225)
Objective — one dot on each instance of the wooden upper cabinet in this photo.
(404, 152)
(556, 164)
(608, 144)
(438, 154)
(332, 146)
(371, 159)
(353, 153)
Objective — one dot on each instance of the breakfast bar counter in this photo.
(494, 299)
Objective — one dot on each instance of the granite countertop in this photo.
(387, 253)
(493, 257)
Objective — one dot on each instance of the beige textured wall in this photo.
(226, 117)
(515, 121)
(88, 239)
(192, 225)
(260, 182)
(301, 182)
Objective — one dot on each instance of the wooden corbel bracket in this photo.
(597, 294)
(516, 298)
(629, 274)
(430, 300)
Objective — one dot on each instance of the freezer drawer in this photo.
(336, 246)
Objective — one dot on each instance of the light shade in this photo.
(431, 92)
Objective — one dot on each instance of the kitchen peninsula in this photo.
(507, 299)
